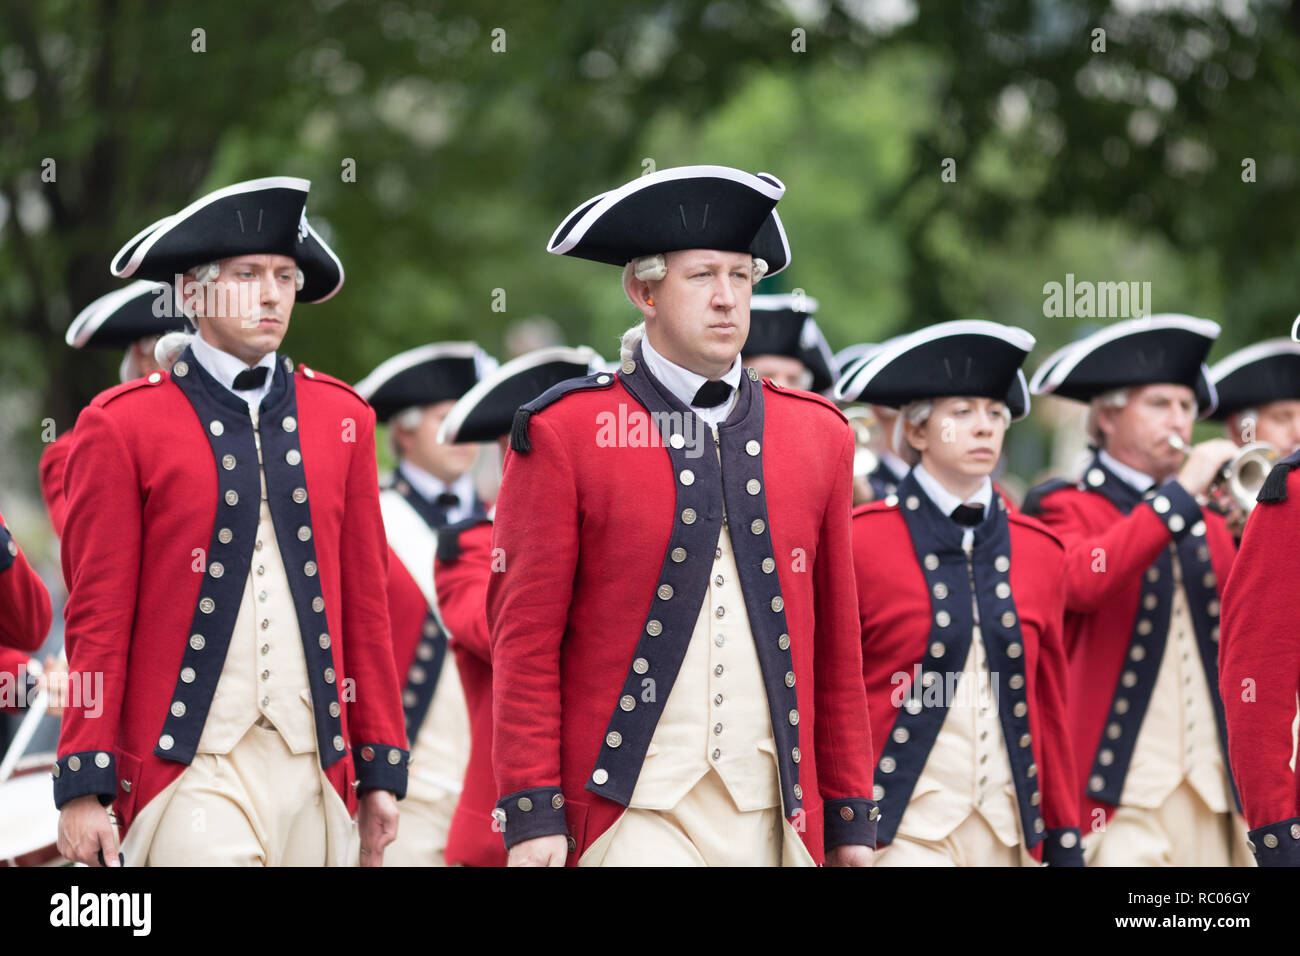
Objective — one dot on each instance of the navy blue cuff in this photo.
(851, 822)
(1175, 506)
(528, 814)
(1277, 844)
(1063, 847)
(381, 767)
(8, 549)
(85, 772)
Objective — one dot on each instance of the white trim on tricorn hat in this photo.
(324, 270)
(1278, 362)
(784, 302)
(1054, 374)
(784, 325)
(583, 359)
(92, 318)
(855, 382)
(574, 228)
(389, 369)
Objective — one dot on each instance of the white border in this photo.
(90, 319)
(582, 355)
(784, 301)
(763, 183)
(403, 361)
(164, 226)
(1251, 353)
(861, 376)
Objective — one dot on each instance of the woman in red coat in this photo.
(961, 612)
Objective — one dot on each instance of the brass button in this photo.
(1106, 757)
(228, 462)
(394, 756)
(216, 569)
(689, 516)
(912, 502)
(1121, 706)
(783, 642)
(795, 755)
(901, 735)
(679, 555)
(1128, 678)
(525, 804)
(180, 369)
(557, 802)
(768, 565)
(654, 628)
(318, 604)
(677, 441)
(1096, 477)
(304, 533)
(309, 569)
(943, 618)
(888, 765)
(798, 792)
(687, 476)
(753, 486)
(1002, 590)
(752, 448)
(289, 424)
(166, 742)
(334, 708)
(338, 742)
(216, 428)
(329, 675)
(1024, 740)
(627, 702)
(293, 456)
(232, 497)
(940, 590)
(1270, 840)
(665, 592)
(640, 665)
(937, 649)
(931, 562)
(1016, 681)
(846, 813)
(789, 678)
(757, 526)
(599, 777)
(1137, 652)
(178, 708)
(367, 753)
(197, 642)
(187, 675)
(1002, 563)
(778, 603)
(794, 718)
(717, 700)
(225, 536)
(74, 763)
(614, 739)
(300, 495)
(1008, 619)
(719, 612)
(1020, 709)
(628, 368)
(1014, 650)
(1161, 504)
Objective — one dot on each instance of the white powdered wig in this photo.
(1115, 398)
(628, 343)
(917, 413)
(169, 348)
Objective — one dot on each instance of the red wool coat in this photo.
(1113, 564)
(594, 521)
(474, 838)
(142, 485)
(900, 634)
(1259, 673)
(53, 462)
(25, 612)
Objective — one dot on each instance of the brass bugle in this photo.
(1242, 475)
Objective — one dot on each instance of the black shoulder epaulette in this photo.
(1032, 505)
(519, 429)
(449, 537)
(1274, 487)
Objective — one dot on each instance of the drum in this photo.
(29, 822)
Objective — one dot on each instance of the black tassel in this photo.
(1274, 489)
(519, 431)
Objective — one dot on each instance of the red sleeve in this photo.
(375, 714)
(1056, 753)
(842, 729)
(101, 563)
(462, 584)
(1100, 565)
(536, 531)
(24, 603)
(1259, 662)
(54, 461)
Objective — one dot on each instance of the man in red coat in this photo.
(675, 653)
(222, 547)
(1259, 669)
(26, 603)
(1144, 568)
(432, 486)
(962, 615)
(132, 318)
(464, 566)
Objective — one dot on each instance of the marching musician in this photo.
(131, 318)
(1259, 394)
(785, 343)
(431, 488)
(1145, 564)
(961, 611)
(677, 598)
(465, 563)
(222, 545)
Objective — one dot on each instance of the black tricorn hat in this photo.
(487, 411)
(1162, 349)
(258, 217)
(685, 207)
(784, 325)
(427, 375)
(126, 315)
(1256, 375)
(964, 357)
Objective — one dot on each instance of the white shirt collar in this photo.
(684, 383)
(224, 367)
(430, 487)
(1129, 474)
(944, 499)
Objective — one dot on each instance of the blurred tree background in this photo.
(1106, 140)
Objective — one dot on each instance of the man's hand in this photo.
(850, 855)
(85, 831)
(1203, 463)
(540, 851)
(377, 823)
